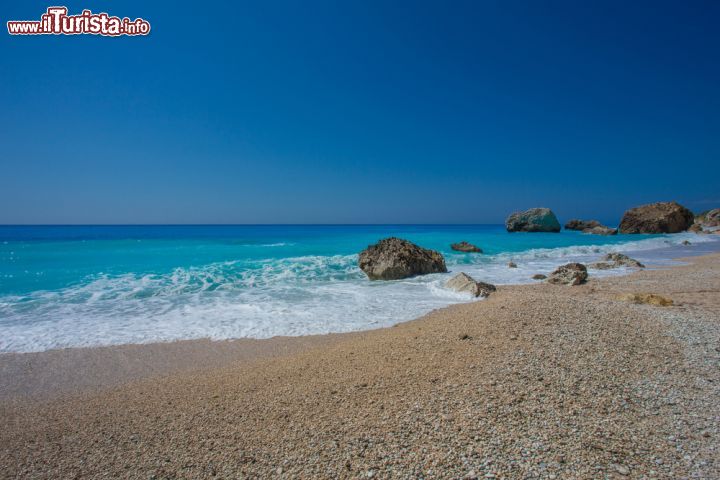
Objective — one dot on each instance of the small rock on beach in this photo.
(569, 274)
(616, 260)
(463, 282)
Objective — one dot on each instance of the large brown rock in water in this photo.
(661, 217)
(394, 258)
(533, 220)
(570, 274)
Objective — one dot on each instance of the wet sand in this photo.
(538, 381)
(45, 375)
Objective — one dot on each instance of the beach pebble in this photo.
(621, 469)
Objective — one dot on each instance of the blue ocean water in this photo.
(71, 286)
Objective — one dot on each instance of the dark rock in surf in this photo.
(394, 258)
(581, 225)
(590, 226)
(466, 247)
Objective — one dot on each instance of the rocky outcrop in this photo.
(466, 247)
(539, 276)
(533, 220)
(649, 298)
(465, 283)
(570, 274)
(615, 260)
(695, 228)
(394, 258)
(661, 217)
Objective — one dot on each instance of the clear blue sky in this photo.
(361, 112)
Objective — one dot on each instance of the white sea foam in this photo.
(265, 298)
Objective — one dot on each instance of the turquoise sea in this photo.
(72, 286)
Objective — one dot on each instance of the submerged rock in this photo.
(466, 247)
(539, 276)
(465, 283)
(570, 274)
(394, 258)
(533, 220)
(615, 260)
(649, 298)
(660, 217)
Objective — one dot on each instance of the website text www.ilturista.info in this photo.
(56, 21)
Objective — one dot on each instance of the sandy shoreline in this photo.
(43, 375)
(537, 381)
